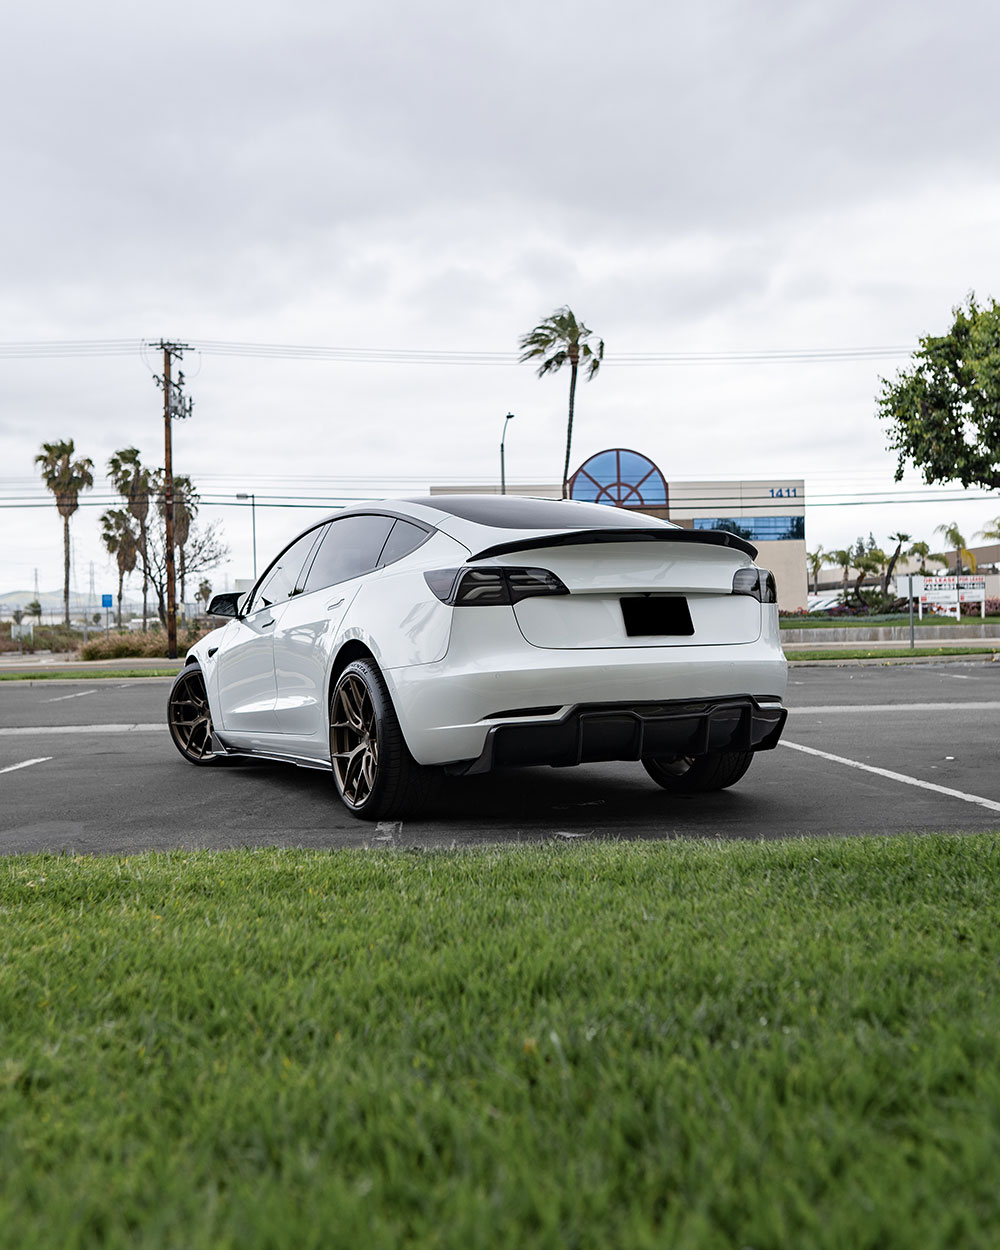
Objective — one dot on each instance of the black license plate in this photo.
(657, 616)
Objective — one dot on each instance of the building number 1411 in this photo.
(784, 492)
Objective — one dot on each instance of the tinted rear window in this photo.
(519, 513)
(405, 537)
(351, 547)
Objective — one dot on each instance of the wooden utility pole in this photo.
(174, 407)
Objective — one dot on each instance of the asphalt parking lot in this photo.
(88, 767)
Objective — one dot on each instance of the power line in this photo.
(216, 499)
(44, 349)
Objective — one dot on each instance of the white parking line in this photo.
(884, 772)
(26, 730)
(854, 708)
(77, 695)
(27, 764)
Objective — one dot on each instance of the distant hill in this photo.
(52, 602)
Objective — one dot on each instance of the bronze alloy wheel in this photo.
(376, 775)
(354, 738)
(190, 718)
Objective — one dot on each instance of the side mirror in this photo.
(225, 605)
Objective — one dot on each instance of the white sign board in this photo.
(945, 595)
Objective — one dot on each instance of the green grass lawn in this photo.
(787, 1045)
(798, 652)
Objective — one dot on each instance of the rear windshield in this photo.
(515, 512)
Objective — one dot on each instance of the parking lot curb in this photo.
(975, 657)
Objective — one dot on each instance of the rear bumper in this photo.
(607, 731)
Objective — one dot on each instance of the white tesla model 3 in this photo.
(397, 642)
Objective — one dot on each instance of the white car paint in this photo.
(456, 673)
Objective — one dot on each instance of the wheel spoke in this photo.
(353, 740)
(352, 701)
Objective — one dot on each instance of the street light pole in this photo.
(253, 522)
(503, 439)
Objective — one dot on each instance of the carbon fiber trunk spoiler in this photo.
(582, 538)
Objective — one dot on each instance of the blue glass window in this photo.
(757, 528)
(619, 477)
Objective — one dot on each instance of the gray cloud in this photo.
(442, 175)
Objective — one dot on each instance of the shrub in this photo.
(973, 609)
(152, 645)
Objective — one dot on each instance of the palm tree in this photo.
(65, 478)
(898, 539)
(991, 532)
(867, 564)
(842, 559)
(922, 551)
(814, 562)
(559, 340)
(119, 538)
(134, 482)
(953, 537)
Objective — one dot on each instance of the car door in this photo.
(307, 632)
(246, 662)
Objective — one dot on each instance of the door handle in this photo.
(331, 606)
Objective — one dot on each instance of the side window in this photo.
(403, 539)
(282, 580)
(350, 547)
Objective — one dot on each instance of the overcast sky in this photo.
(434, 176)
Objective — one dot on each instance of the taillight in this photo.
(469, 588)
(759, 583)
(527, 583)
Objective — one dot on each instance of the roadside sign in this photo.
(106, 601)
(944, 595)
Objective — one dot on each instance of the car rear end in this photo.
(597, 645)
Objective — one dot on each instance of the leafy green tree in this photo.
(943, 412)
(562, 340)
(205, 592)
(65, 477)
(119, 538)
(34, 608)
(134, 483)
(953, 537)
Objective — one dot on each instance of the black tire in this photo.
(190, 718)
(699, 774)
(376, 776)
